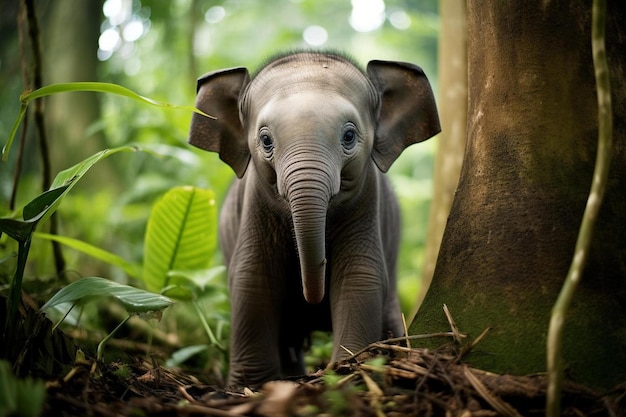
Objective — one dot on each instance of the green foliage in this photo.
(181, 236)
(377, 364)
(66, 180)
(331, 379)
(185, 354)
(180, 240)
(38, 211)
(135, 300)
(180, 41)
(20, 397)
(27, 97)
(337, 394)
(320, 352)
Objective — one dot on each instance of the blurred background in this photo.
(158, 49)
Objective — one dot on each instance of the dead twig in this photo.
(498, 405)
(453, 327)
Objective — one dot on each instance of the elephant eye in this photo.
(266, 142)
(349, 139)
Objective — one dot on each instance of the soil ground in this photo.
(387, 380)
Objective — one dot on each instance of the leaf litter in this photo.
(388, 378)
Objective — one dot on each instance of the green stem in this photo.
(15, 292)
(206, 326)
(598, 187)
(100, 351)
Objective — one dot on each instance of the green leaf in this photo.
(21, 230)
(42, 203)
(199, 281)
(131, 269)
(8, 388)
(71, 175)
(20, 397)
(43, 206)
(181, 235)
(183, 355)
(97, 87)
(377, 363)
(134, 299)
(16, 125)
(38, 211)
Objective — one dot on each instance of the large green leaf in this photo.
(134, 299)
(181, 235)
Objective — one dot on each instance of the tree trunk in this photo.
(526, 175)
(451, 141)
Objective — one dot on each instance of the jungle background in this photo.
(105, 207)
(159, 49)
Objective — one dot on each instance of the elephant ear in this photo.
(408, 113)
(218, 96)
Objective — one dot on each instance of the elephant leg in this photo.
(254, 341)
(392, 315)
(358, 291)
(390, 233)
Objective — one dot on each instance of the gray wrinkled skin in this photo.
(310, 228)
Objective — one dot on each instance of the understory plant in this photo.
(179, 244)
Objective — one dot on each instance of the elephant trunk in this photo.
(308, 199)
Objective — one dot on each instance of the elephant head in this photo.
(313, 124)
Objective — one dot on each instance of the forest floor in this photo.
(406, 382)
(385, 379)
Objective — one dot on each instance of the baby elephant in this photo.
(310, 228)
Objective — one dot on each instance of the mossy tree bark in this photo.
(527, 170)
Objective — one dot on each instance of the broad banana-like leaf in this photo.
(181, 236)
